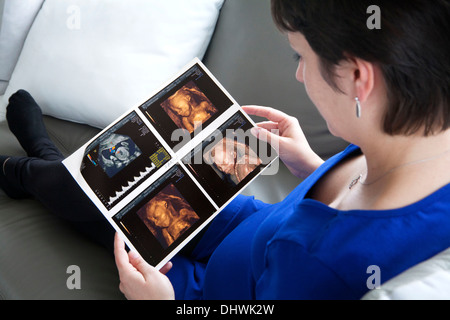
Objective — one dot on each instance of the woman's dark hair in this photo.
(412, 48)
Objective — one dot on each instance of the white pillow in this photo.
(89, 61)
(16, 21)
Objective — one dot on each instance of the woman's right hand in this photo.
(138, 279)
(284, 131)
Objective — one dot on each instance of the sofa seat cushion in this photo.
(37, 251)
(38, 248)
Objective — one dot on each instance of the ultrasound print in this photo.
(164, 215)
(228, 159)
(231, 160)
(116, 152)
(168, 215)
(121, 159)
(189, 104)
(189, 107)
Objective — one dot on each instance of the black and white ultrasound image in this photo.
(121, 159)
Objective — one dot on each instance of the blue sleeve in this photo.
(291, 273)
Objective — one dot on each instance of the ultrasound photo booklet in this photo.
(163, 170)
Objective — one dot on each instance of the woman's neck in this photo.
(388, 154)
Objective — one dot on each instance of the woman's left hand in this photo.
(138, 279)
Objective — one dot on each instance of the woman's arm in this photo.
(285, 132)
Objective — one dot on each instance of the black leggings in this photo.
(50, 183)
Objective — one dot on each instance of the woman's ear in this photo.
(364, 78)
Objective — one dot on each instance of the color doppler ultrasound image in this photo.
(116, 152)
(189, 107)
(168, 215)
(121, 159)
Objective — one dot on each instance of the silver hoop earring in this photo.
(358, 108)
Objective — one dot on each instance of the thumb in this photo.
(140, 264)
(267, 136)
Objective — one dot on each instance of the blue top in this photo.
(303, 249)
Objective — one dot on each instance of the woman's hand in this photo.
(138, 279)
(285, 132)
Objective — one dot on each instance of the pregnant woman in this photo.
(384, 201)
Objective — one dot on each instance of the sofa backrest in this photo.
(248, 55)
(2, 4)
(254, 62)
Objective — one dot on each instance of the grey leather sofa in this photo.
(253, 60)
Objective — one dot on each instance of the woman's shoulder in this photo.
(311, 219)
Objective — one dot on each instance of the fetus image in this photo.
(168, 215)
(116, 152)
(189, 107)
(232, 160)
